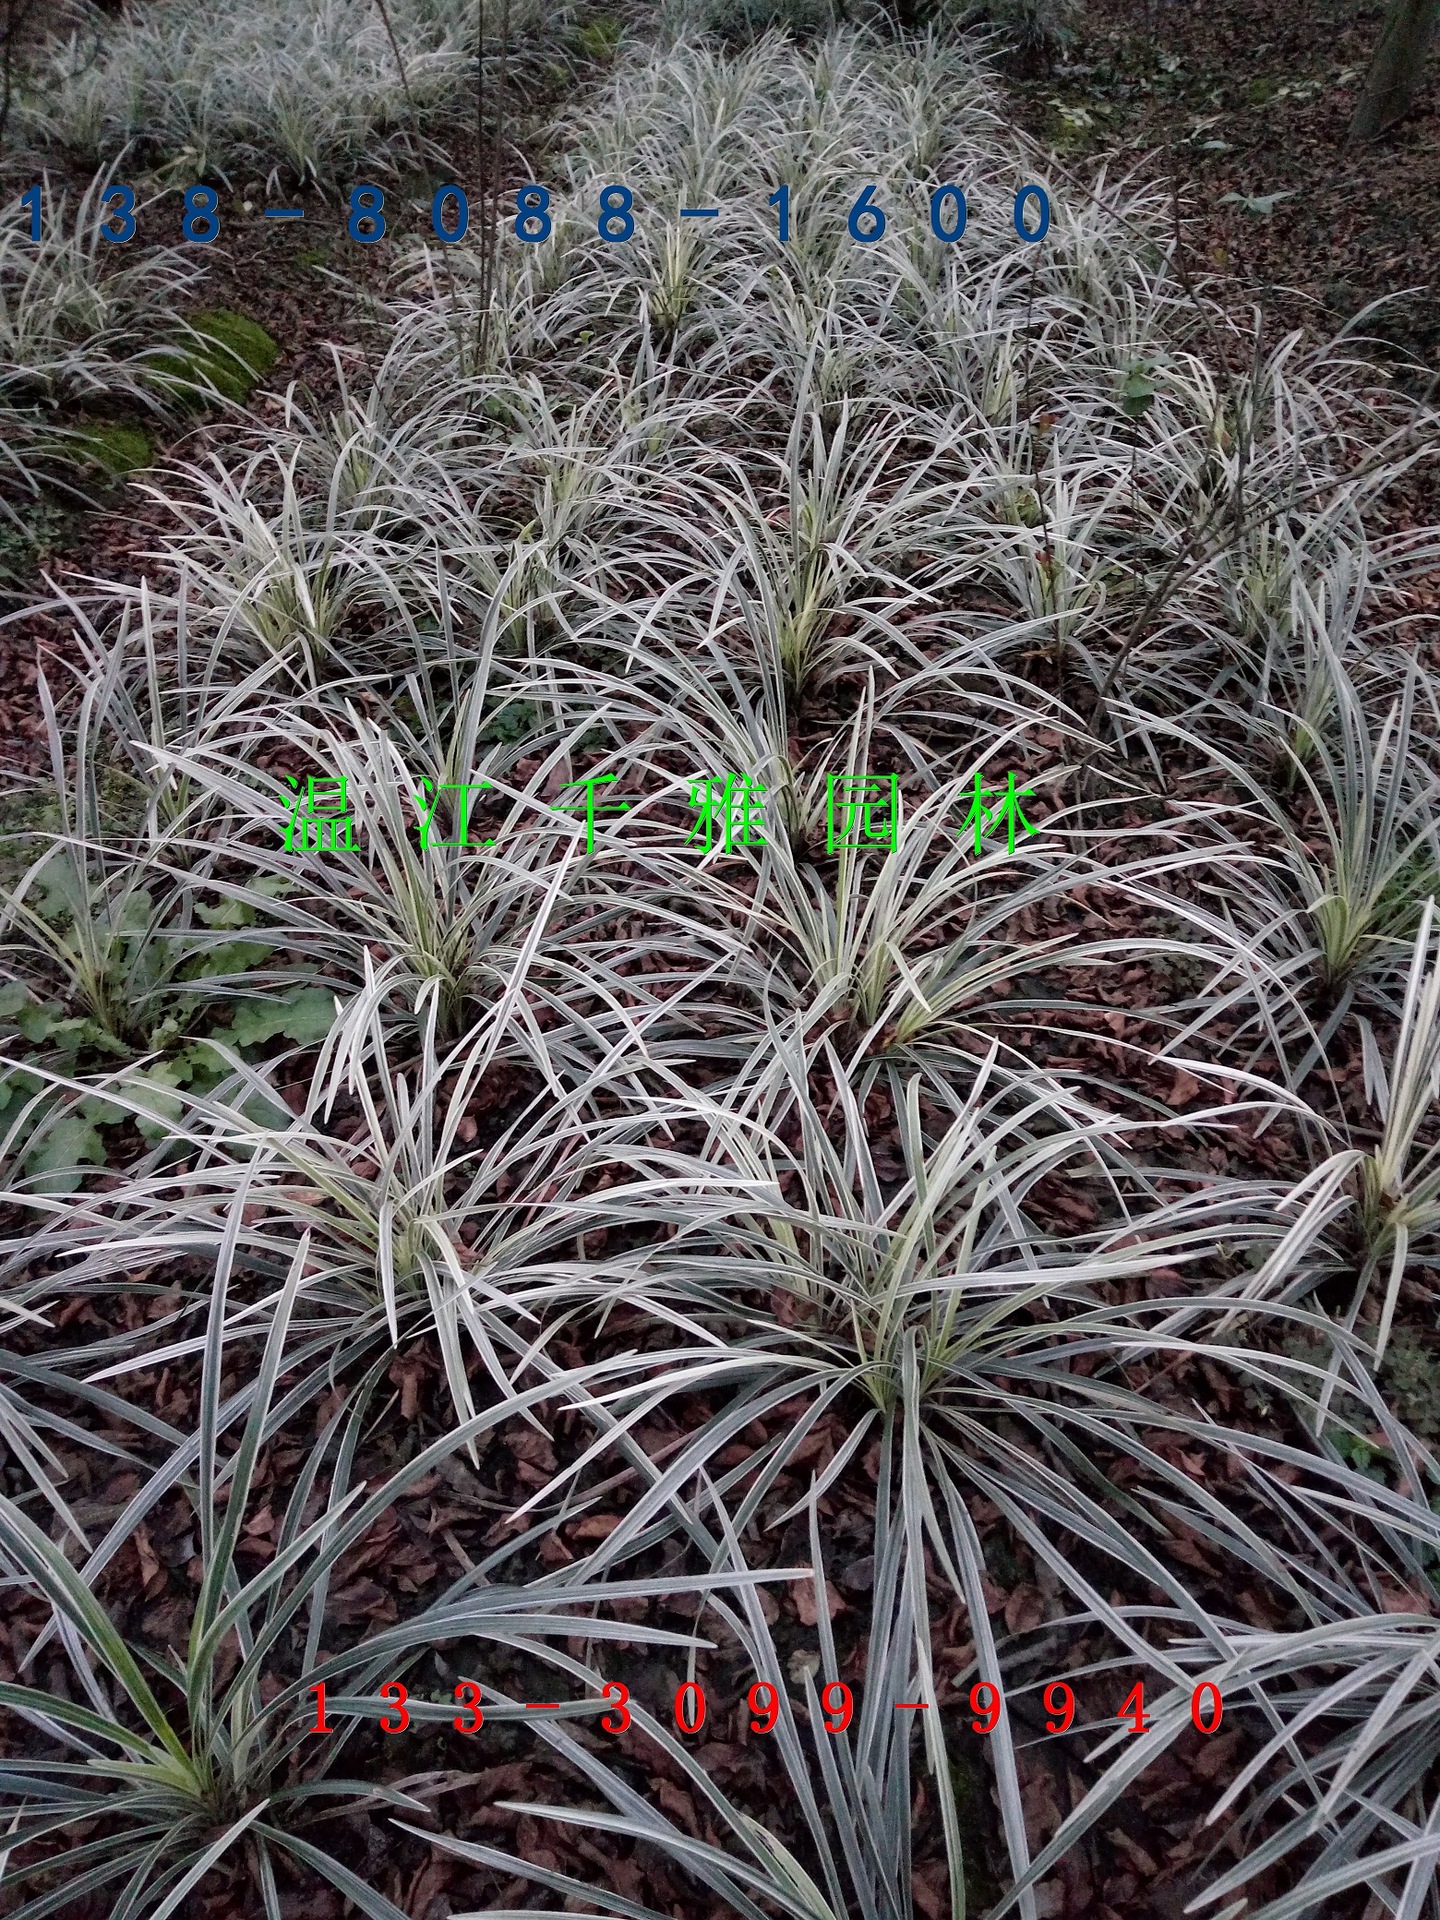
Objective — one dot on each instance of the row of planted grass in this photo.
(266, 90)
(790, 1142)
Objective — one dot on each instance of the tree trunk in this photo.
(1395, 67)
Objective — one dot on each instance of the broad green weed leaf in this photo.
(230, 913)
(234, 956)
(37, 1023)
(69, 1144)
(148, 1090)
(18, 1084)
(305, 1017)
(1137, 394)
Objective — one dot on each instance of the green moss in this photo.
(117, 447)
(232, 353)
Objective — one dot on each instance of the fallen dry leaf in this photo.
(803, 1594)
(1025, 1610)
(1183, 1089)
(595, 1526)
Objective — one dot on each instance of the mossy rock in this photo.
(232, 354)
(117, 447)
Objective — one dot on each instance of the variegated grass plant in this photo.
(267, 87)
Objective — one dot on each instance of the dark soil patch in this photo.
(1253, 98)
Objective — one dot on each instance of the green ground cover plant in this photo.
(809, 1265)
